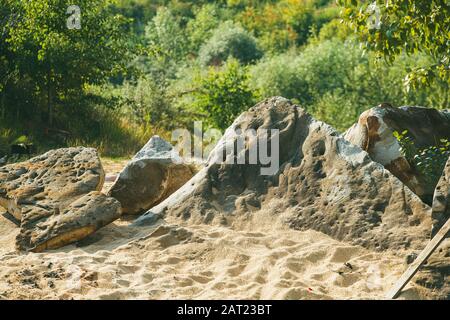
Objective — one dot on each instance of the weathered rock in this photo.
(154, 173)
(374, 134)
(36, 191)
(323, 183)
(80, 219)
(441, 200)
(40, 187)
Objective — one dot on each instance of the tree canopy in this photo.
(394, 27)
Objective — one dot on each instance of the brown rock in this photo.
(154, 173)
(39, 187)
(441, 200)
(374, 134)
(80, 219)
(40, 193)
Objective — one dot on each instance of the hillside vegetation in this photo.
(140, 67)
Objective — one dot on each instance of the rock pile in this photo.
(56, 200)
(355, 188)
(324, 183)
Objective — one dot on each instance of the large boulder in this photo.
(40, 193)
(153, 174)
(39, 187)
(441, 200)
(435, 274)
(78, 220)
(323, 183)
(374, 134)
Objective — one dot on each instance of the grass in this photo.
(114, 138)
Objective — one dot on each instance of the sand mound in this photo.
(201, 262)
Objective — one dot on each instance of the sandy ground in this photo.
(112, 169)
(168, 261)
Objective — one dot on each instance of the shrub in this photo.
(337, 109)
(229, 40)
(335, 29)
(167, 45)
(148, 104)
(278, 76)
(336, 81)
(309, 74)
(429, 161)
(201, 28)
(223, 94)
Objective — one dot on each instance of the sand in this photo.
(170, 261)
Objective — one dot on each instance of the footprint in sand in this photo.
(237, 270)
(343, 254)
(173, 260)
(201, 279)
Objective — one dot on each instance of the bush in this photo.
(167, 45)
(223, 94)
(229, 40)
(429, 161)
(337, 109)
(336, 81)
(308, 75)
(206, 20)
(148, 104)
(278, 76)
(335, 29)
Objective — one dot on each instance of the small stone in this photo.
(410, 258)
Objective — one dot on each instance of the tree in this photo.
(200, 29)
(396, 26)
(55, 61)
(223, 94)
(229, 40)
(166, 43)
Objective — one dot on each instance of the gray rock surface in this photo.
(441, 200)
(324, 183)
(154, 173)
(78, 220)
(41, 194)
(39, 187)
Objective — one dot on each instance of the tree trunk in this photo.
(3, 105)
(49, 98)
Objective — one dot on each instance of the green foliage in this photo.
(337, 109)
(336, 81)
(407, 147)
(223, 94)
(335, 29)
(309, 74)
(148, 104)
(48, 64)
(137, 67)
(399, 26)
(229, 40)
(166, 43)
(207, 19)
(279, 25)
(429, 161)
(279, 76)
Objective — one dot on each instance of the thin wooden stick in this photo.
(423, 256)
